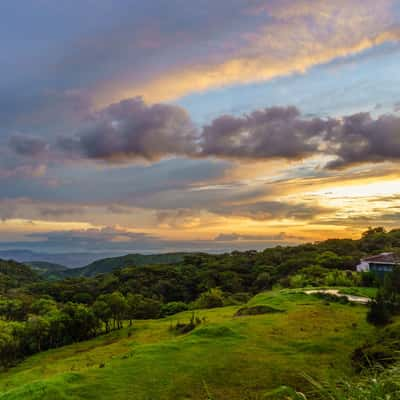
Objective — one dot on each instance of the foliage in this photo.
(211, 299)
(380, 349)
(379, 312)
(183, 328)
(387, 301)
(41, 314)
(374, 384)
(256, 310)
(238, 358)
(113, 263)
(174, 307)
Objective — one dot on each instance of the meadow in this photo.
(225, 357)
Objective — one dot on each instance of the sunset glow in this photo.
(162, 127)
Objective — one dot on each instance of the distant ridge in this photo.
(69, 260)
(112, 263)
(48, 270)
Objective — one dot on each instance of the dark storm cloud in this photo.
(27, 146)
(133, 130)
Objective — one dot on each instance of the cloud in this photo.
(396, 107)
(232, 237)
(292, 38)
(91, 239)
(57, 212)
(116, 240)
(23, 171)
(361, 139)
(276, 132)
(272, 210)
(8, 209)
(132, 130)
(28, 146)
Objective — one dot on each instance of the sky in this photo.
(155, 126)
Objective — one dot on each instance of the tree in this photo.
(140, 307)
(81, 323)
(379, 313)
(38, 329)
(43, 306)
(8, 349)
(102, 311)
(118, 307)
(173, 307)
(211, 299)
(12, 310)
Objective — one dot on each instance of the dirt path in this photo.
(336, 292)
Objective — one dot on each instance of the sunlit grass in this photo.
(236, 357)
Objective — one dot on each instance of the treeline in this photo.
(331, 262)
(37, 314)
(29, 325)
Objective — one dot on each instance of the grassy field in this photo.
(226, 357)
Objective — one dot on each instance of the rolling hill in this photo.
(225, 357)
(70, 260)
(14, 275)
(48, 270)
(110, 264)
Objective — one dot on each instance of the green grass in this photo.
(229, 357)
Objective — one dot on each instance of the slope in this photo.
(48, 270)
(226, 357)
(110, 264)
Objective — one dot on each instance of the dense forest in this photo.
(38, 314)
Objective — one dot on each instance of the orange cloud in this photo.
(301, 35)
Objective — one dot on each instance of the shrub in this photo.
(183, 328)
(379, 313)
(382, 349)
(172, 308)
(256, 310)
(211, 299)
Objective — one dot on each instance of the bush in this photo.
(211, 299)
(256, 310)
(379, 312)
(375, 384)
(183, 328)
(369, 279)
(333, 298)
(383, 349)
(172, 308)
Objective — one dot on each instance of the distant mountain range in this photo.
(112, 263)
(69, 260)
(54, 270)
(48, 270)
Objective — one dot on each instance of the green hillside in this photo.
(48, 270)
(229, 326)
(225, 357)
(110, 264)
(14, 275)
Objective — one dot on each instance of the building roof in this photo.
(387, 258)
